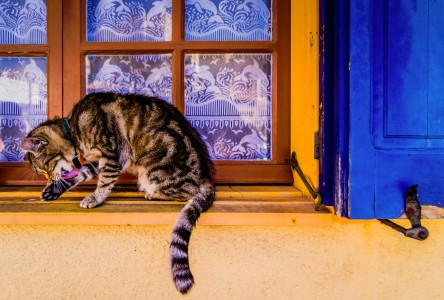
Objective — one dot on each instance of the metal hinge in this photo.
(294, 164)
(413, 213)
(317, 148)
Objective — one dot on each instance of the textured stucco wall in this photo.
(345, 261)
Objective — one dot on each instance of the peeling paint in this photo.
(339, 202)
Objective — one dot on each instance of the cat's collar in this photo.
(75, 160)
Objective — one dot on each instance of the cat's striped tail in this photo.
(180, 238)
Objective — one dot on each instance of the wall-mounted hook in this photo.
(413, 213)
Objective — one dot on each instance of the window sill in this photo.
(234, 205)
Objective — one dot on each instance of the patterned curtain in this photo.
(23, 101)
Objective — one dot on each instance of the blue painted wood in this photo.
(394, 106)
(436, 73)
(396, 171)
(326, 88)
(361, 160)
(404, 38)
(341, 117)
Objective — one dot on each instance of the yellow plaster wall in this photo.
(304, 83)
(362, 260)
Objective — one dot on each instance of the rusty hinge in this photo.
(294, 164)
(413, 213)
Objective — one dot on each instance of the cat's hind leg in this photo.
(149, 187)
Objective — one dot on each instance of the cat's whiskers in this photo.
(26, 174)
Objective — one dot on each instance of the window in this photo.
(224, 64)
(30, 77)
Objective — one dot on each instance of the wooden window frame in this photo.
(234, 205)
(275, 171)
(18, 173)
(66, 50)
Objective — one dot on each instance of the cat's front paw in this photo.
(51, 192)
(90, 202)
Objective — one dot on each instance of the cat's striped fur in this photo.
(142, 135)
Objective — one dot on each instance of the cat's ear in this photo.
(34, 144)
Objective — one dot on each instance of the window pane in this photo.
(23, 101)
(228, 20)
(228, 100)
(23, 22)
(128, 20)
(143, 74)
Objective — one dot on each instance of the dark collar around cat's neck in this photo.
(75, 160)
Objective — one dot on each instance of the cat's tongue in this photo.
(71, 174)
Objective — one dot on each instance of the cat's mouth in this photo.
(69, 174)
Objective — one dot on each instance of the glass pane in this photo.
(143, 74)
(23, 101)
(128, 20)
(228, 100)
(23, 22)
(228, 20)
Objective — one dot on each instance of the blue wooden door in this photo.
(390, 115)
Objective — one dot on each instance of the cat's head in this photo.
(48, 151)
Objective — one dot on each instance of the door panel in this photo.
(436, 73)
(404, 36)
(410, 131)
(408, 107)
(403, 170)
(395, 107)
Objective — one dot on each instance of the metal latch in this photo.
(293, 161)
(413, 213)
(317, 147)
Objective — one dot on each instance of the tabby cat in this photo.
(142, 135)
